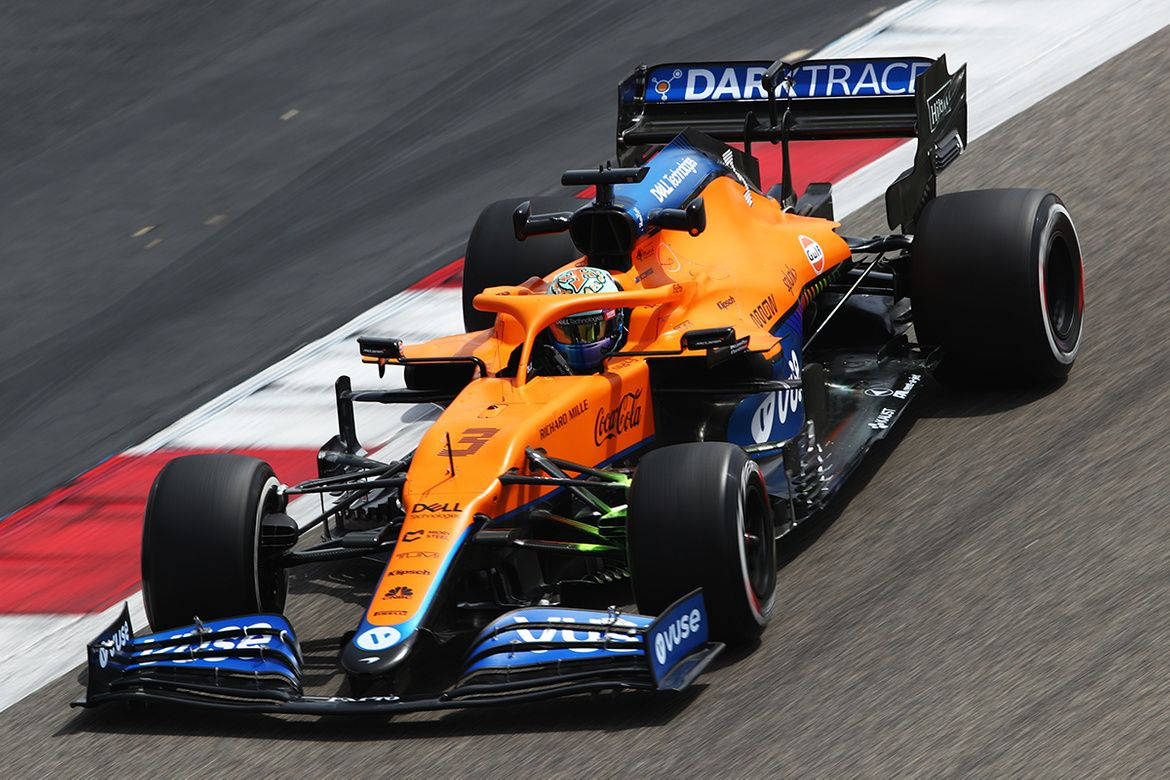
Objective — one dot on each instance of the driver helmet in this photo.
(584, 339)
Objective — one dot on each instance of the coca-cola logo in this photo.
(624, 416)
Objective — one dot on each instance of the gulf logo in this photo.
(814, 253)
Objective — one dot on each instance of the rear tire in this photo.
(997, 281)
(494, 257)
(692, 509)
(201, 541)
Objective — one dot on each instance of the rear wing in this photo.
(881, 97)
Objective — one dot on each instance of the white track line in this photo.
(1018, 52)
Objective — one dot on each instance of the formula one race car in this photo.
(655, 386)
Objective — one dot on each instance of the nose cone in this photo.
(375, 651)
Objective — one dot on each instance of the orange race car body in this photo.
(731, 296)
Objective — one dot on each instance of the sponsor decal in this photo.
(726, 302)
(681, 325)
(563, 419)
(675, 633)
(851, 78)
(729, 161)
(637, 214)
(814, 253)
(112, 646)
(412, 536)
(572, 634)
(671, 180)
(780, 404)
(883, 419)
(938, 104)
(670, 264)
(789, 278)
(678, 632)
(390, 613)
(233, 643)
(661, 87)
(469, 442)
(448, 507)
(411, 572)
(399, 592)
(377, 638)
(903, 392)
(911, 381)
(417, 554)
(623, 417)
(644, 275)
(765, 311)
(350, 699)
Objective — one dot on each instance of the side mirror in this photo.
(525, 223)
(379, 348)
(707, 338)
(380, 351)
(692, 219)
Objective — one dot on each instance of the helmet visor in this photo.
(587, 328)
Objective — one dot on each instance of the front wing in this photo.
(253, 663)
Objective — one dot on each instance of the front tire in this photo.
(201, 541)
(699, 516)
(997, 281)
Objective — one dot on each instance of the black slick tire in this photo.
(201, 537)
(700, 517)
(997, 281)
(494, 257)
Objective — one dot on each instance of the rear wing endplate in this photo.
(882, 97)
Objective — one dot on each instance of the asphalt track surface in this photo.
(990, 598)
(410, 118)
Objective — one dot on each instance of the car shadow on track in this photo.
(938, 401)
(956, 400)
(610, 712)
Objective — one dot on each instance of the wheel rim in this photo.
(1062, 294)
(271, 580)
(1061, 290)
(756, 540)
